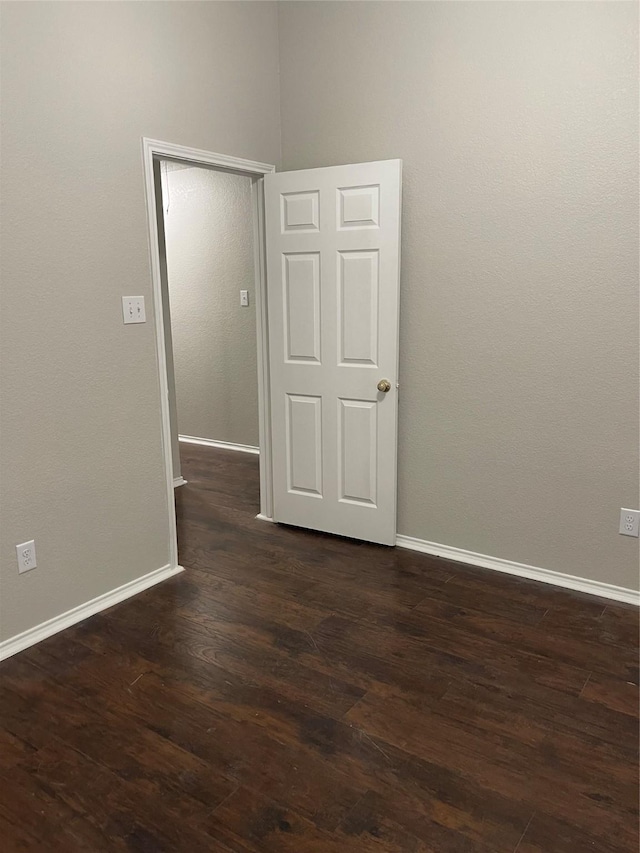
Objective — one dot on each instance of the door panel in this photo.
(304, 444)
(358, 308)
(301, 277)
(359, 207)
(299, 212)
(333, 238)
(357, 448)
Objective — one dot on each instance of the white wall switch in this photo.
(26, 556)
(630, 522)
(133, 309)
(244, 298)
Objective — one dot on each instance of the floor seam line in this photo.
(515, 849)
(585, 685)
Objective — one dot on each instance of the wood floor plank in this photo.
(119, 810)
(241, 734)
(15, 836)
(187, 651)
(263, 826)
(554, 712)
(13, 750)
(502, 763)
(615, 694)
(401, 588)
(621, 624)
(33, 705)
(36, 818)
(547, 638)
(445, 829)
(548, 835)
(396, 654)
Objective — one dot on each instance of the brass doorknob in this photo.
(384, 385)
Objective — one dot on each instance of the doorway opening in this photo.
(210, 324)
(205, 214)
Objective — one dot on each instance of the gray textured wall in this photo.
(518, 127)
(82, 463)
(208, 218)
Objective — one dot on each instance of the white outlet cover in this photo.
(133, 309)
(630, 522)
(26, 556)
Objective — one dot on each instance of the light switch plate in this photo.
(133, 309)
(244, 298)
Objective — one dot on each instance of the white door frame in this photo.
(153, 148)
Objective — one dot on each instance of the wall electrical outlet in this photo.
(133, 309)
(26, 556)
(630, 522)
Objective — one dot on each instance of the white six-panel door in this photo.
(333, 252)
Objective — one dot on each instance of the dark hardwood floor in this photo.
(294, 693)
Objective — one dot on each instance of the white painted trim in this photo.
(196, 157)
(53, 626)
(161, 353)
(262, 331)
(263, 517)
(223, 445)
(521, 570)
(179, 481)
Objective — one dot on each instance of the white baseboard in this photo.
(179, 481)
(46, 629)
(223, 445)
(521, 570)
(264, 517)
